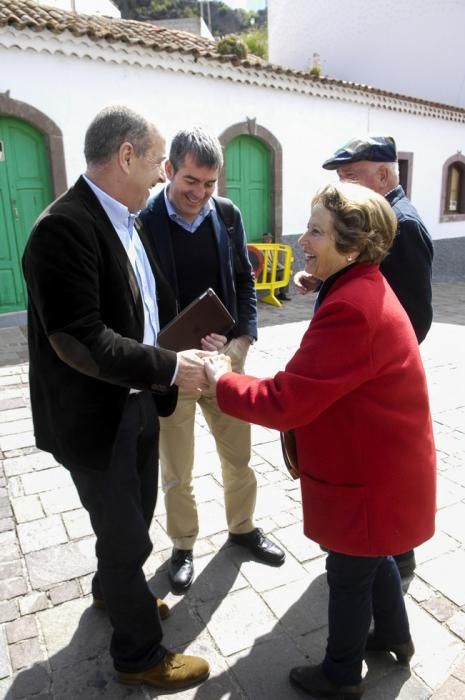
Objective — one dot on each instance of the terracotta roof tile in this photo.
(27, 14)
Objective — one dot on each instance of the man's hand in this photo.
(245, 341)
(191, 370)
(305, 282)
(213, 342)
(215, 367)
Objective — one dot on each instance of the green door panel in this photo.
(10, 285)
(248, 183)
(24, 192)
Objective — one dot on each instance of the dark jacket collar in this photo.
(328, 283)
(395, 194)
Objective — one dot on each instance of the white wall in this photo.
(70, 91)
(413, 47)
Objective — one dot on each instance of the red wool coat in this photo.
(355, 392)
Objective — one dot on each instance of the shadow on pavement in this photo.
(298, 638)
(82, 668)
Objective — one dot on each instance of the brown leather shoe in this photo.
(162, 605)
(173, 672)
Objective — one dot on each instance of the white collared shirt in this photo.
(123, 223)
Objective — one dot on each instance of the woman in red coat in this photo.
(355, 394)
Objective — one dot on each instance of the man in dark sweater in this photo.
(195, 250)
(372, 162)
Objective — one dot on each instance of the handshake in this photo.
(200, 369)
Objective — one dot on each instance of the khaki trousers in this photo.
(233, 444)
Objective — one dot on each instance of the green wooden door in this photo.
(24, 192)
(248, 178)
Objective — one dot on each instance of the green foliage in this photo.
(256, 42)
(223, 19)
(130, 8)
(315, 71)
(232, 45)
(260, 18)
(170, 9)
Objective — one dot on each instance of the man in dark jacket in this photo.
(196, 249)
(97, 381)
(372, 162)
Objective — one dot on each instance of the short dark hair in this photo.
(204, 148)
(112, 127)
(363, 220)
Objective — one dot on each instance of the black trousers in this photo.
(121, 503)
(361, 589)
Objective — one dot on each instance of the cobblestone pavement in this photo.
(252, 622)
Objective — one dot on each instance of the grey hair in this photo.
(196, 142)
(112, 127)
(394, 169)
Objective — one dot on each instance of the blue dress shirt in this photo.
(191, 228)
(123, 223)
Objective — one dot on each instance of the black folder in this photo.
(206, 314)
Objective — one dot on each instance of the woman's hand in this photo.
(305, 282)
(190, 375)
(213, 342)
(215, 367)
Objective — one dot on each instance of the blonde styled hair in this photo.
(363, 220)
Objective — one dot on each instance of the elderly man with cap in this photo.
(372, 162)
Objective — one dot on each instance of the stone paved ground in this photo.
(252, 622)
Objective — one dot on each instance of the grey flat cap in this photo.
(380, 149)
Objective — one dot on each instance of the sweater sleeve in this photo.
(245, 288)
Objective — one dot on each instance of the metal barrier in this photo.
(272, 265)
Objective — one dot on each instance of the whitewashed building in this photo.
(277, 125)
(411, 47)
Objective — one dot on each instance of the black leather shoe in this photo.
(181, 569)
(403, 652)
(263, 548)
(406, 563)
(313, 681)
(284, 296)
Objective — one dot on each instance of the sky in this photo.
(246, 4)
